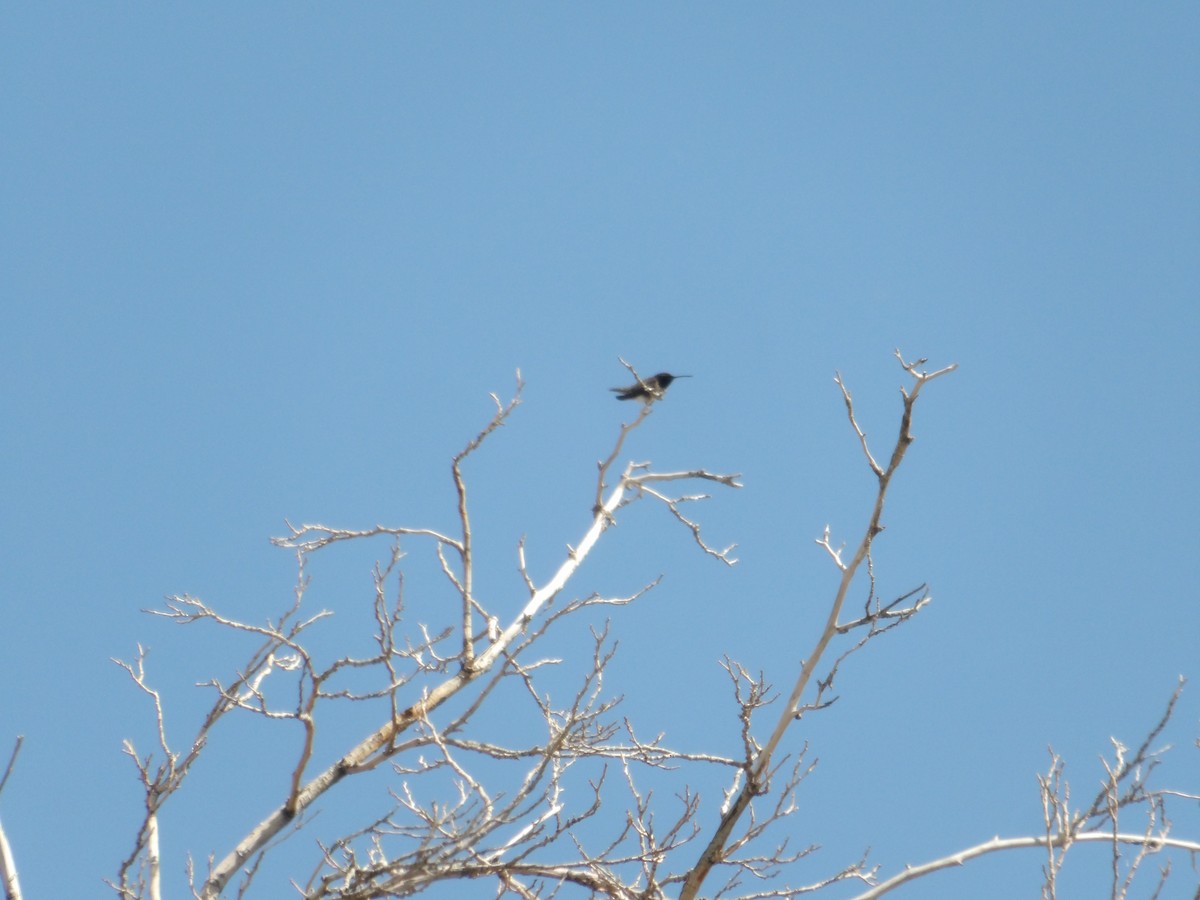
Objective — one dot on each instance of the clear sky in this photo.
(266, 261)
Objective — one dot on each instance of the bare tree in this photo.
(565, 803)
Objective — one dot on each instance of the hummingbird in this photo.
(648, 389)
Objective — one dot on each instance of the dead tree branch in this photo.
(758, 773)
(1124, 787)
(8, 863)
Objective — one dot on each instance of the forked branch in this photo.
(758, 776)
(1125, 787)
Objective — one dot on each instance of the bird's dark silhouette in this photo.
(647, 389)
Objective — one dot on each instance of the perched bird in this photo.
(648, 389)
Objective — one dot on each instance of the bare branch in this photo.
(12, 760)
(603, 466)
(997, 844)
(310, 538)
(672, 504)
(460, 486)
(837, 378)
(8, 863)
(1124, 787)
(716, 851)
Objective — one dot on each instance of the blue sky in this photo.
(265, 262)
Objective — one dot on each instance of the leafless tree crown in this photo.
(563, 803)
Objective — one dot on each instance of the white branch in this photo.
(997, 844)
